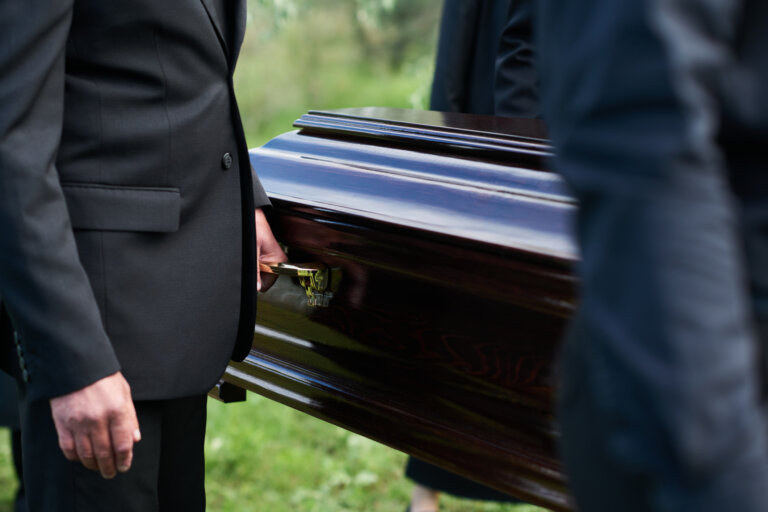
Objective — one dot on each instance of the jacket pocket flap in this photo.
(115, 208)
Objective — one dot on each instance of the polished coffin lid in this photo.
(454, 247)
(489, 174)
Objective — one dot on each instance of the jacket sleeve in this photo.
(454, 56)
(516, 91)
(63, 345)
(260, 198)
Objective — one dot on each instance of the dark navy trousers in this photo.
(658, 110)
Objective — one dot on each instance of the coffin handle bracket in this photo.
(317, 279)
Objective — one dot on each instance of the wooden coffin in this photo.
(450, 249)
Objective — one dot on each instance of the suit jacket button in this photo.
(25, 375)
(226, 161)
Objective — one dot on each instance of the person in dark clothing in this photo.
(131, 223)
(485, 59)
(466, 56)
(485, 65)
(516, 85)
(658, 111)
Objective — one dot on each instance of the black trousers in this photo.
(439, 479)
(167, 474)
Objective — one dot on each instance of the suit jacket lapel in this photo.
(218, 25)
(240, 13)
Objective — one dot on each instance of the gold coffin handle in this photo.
(319, 282)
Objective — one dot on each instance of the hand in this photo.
(267, 249)
(97, 425)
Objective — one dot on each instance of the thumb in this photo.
(258, 257)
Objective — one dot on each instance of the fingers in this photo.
(266, 247)
(124, 432)
(105, 450)
(97, 425)
(67, 443)
(258, 259)
(103, 453)
(85, 452)
(94, 454)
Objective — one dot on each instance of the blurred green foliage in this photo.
(321, 54)
(7, 480)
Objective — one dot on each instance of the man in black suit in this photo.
(127, 244)
(658, 110)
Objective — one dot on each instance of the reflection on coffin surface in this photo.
(450, 253)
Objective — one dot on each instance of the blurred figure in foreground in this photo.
(484, 66)
(658, 110)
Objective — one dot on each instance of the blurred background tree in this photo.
(319, 54)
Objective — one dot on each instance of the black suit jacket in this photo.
(466, 55)
(516, 87)
(126, 199)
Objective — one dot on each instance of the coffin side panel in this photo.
(455, 290)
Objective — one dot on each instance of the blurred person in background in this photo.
(658, 111)
(467, 49)
(484, 65)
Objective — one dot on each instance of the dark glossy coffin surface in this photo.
(455, 254)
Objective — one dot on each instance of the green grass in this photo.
(7, 478)
(262, 456)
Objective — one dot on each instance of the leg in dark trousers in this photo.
(168, 468)
(182, 462)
